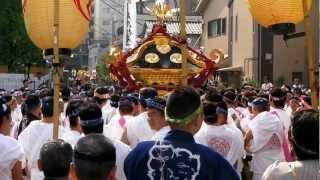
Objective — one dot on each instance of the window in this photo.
(236, 29)
(217, 27)
(224, 26)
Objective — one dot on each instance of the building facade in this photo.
(106, 28)
(253, 53)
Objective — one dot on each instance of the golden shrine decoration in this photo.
(157, 61)
(73, 25)
(161, 68)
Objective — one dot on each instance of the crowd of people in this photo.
(108, 133)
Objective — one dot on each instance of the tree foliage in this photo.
(103, 77)
(16, 49)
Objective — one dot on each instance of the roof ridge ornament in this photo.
(162, 11)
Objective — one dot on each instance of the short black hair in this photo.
(47, 106)
(72, 111)
(134, 98)
(91, 111)
(304, 134)
(94, 157)
(56, 157)
(209, 111)
(65, 93)
(7, 98)
(32, 102)
(114, 100)
(125, 105)
(4, 111)
(229, 97)
(224, 107)
(278, 98)
(147, 93)
(261, 104)
(182, 102)
(213, 97)
(101, 90)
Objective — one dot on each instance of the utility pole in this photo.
(56, 67)
(183, 35)
(125, 25)
(310, 38)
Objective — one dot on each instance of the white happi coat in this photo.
(138, 129)
(32, 138)
(122, 150)
(245, 120)
(266, 145)
(113, 129)
(16, 115)
(10, 153)
(224, 140)
(159, 135)
(297, 170)
(109, 113)
(71, 137)
(283, 116)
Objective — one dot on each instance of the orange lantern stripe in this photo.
(78, 5)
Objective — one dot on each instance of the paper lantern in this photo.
(278, 13)
(74, 17)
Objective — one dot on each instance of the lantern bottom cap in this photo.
(62, 51)
(283, 28)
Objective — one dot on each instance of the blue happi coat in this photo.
(177, 157)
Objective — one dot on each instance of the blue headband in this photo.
(91, 123)
(220, 110)
(154, 104)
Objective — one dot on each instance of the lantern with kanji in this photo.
(74, 17)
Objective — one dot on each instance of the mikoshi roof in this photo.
(157, 62)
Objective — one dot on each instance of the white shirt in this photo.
(108, 114)
(244, 123)
(159, 135)
(10, 153)
(223, 139)
(32, 139)
(297, 170)
(72, 137)
(138, 129)
(283, 116)
(122, 151)
(113, 129)
(266, 145)
(17, 115)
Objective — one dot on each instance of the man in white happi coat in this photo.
(114, 129)
(11, 153)
(72, 113)
(264, 139)
(139, 129)
(91, 122)
(218, 135)
(156, 118)
(101, 95)
(35, 135)
(17, 114)
(108, 113)
(277, 99)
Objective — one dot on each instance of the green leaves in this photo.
(16, 49)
